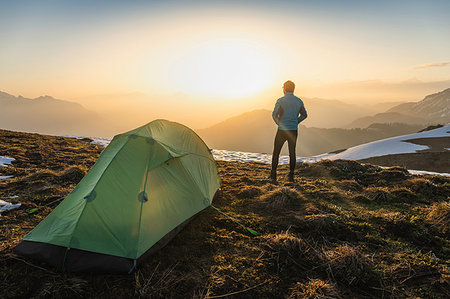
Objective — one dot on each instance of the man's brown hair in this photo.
(289, 86)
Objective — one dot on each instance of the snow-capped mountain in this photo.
(433, 107)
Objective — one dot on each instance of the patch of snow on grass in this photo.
(6, 206)
(5, 161)
(6, 177)
(96, 140)
(11, 197)
(226, 155)
(393, 145)
(100, 140)
(423, 172)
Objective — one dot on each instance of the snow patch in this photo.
(423, 172)
(100, 140)
(6, 177)
(393, 145)
(226, 155)
(6, 206)
(95, 140)
(5, 161)
(11, 197)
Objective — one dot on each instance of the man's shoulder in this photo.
(298, 99)
(293, 97)
(290, 97)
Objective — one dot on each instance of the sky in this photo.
(238, 52)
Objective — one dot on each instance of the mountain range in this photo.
(433, 109)
(336, 114)
(254, 131)
(251, 131)
(48, 115)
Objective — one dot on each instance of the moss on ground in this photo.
(342, 230)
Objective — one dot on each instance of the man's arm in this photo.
(276, 113)
(303, 114)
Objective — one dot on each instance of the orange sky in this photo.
(222, 51)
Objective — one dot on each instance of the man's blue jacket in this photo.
(287, 110)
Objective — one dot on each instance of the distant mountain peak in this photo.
(4, 95)
(45, 97)
(432, 109)
(46, 114)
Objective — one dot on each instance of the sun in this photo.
(222, 68)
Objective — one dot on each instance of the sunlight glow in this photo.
(222, 67)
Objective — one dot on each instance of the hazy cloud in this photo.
(437, 64)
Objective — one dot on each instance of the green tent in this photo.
(145, 185)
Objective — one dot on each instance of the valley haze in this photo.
(332, 125)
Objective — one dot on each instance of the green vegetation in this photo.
(343, 230)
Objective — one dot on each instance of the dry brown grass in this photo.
(250, 192)
(348, 266)
(314, 289)
(157, 283)
(282, 198)
(289, 242)
(378, 194)
(439, 216)
(403, 194)
(63, 287)
(349, 185)
(343, 230)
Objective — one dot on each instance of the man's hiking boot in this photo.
(273, 178)
(291, 177)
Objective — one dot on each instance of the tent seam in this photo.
(85, 202)
(193, 179)
(181, 125)
(147, 170)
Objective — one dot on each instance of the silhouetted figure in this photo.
(286, 116)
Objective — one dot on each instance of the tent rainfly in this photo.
(145, 186)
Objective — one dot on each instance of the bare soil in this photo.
(435, 144)
(430, 161)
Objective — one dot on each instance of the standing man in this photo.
(286, 116)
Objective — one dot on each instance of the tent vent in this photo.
(90, 196)
(143, 196)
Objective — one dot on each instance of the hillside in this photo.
(48, 115)
(433, 109)
(254, 132)
(388, 117)
(426, 150)
(334, 113)
(343, 230)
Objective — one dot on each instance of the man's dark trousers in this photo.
(280, 139)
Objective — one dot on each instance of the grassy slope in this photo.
(343, 230)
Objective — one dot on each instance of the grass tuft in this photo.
(314, 289)
(348, 266)
(439, 216)
(282, 198)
